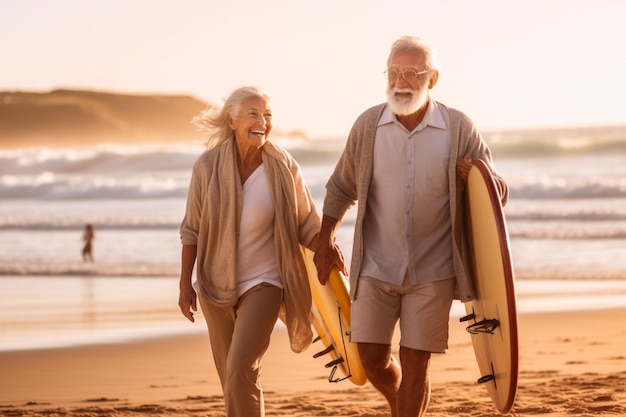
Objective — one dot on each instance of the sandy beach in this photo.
(571, 363)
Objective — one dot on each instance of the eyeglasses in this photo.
(408, 74)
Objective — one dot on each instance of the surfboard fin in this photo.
(490, 377)
(335, 362)
(469, 317)
(324, 352)
(484, 326)
(486, 378)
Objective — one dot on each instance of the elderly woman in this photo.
(248, 214)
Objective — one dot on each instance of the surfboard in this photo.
(492, 315)
(331, 321)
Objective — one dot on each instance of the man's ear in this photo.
(433, 80)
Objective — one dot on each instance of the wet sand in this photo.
(571, 363)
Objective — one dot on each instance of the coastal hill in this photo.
(82, 118)
(79, 118)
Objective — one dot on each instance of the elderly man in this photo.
(404, 164)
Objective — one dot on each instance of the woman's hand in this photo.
(187, 300)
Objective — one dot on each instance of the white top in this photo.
(407, 229)
(256, 251)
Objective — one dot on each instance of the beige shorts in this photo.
(423, 311)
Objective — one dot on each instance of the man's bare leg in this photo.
(383, 371)
(414, 391)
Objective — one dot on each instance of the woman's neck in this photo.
(248, 161)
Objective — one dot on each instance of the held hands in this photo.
(463, 166)
(327, 256)
(187, 301)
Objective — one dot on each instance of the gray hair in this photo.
(215, 122)
(413, 43)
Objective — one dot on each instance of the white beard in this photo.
(403, 107)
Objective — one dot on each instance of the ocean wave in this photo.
(564, 188)
(558, 142)
(102, 158)
(87, 270)
(543, 148)
(69, 270)
(136, 159)
(582, 215)
(51, 186)
(79, 224)
(572, 233)
(164, 157)
(122, 172)
(163, 171)
(520, 226)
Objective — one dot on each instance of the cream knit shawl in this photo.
(212, 223)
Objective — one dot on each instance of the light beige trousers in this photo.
(240, 336)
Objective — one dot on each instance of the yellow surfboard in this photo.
(331, 320)
(492, 315)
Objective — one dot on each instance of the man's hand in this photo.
(328, 255)
(463, 166)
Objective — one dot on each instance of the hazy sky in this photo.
(505, 63)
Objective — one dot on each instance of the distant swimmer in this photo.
(88, 237)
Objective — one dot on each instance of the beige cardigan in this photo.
(212, 220)
(351, 178)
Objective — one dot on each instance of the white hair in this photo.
(215, 121)
(413, 43)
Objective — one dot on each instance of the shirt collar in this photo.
(433, 117)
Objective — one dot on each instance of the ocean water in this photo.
(566, 218)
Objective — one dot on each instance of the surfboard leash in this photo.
(342, 359)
